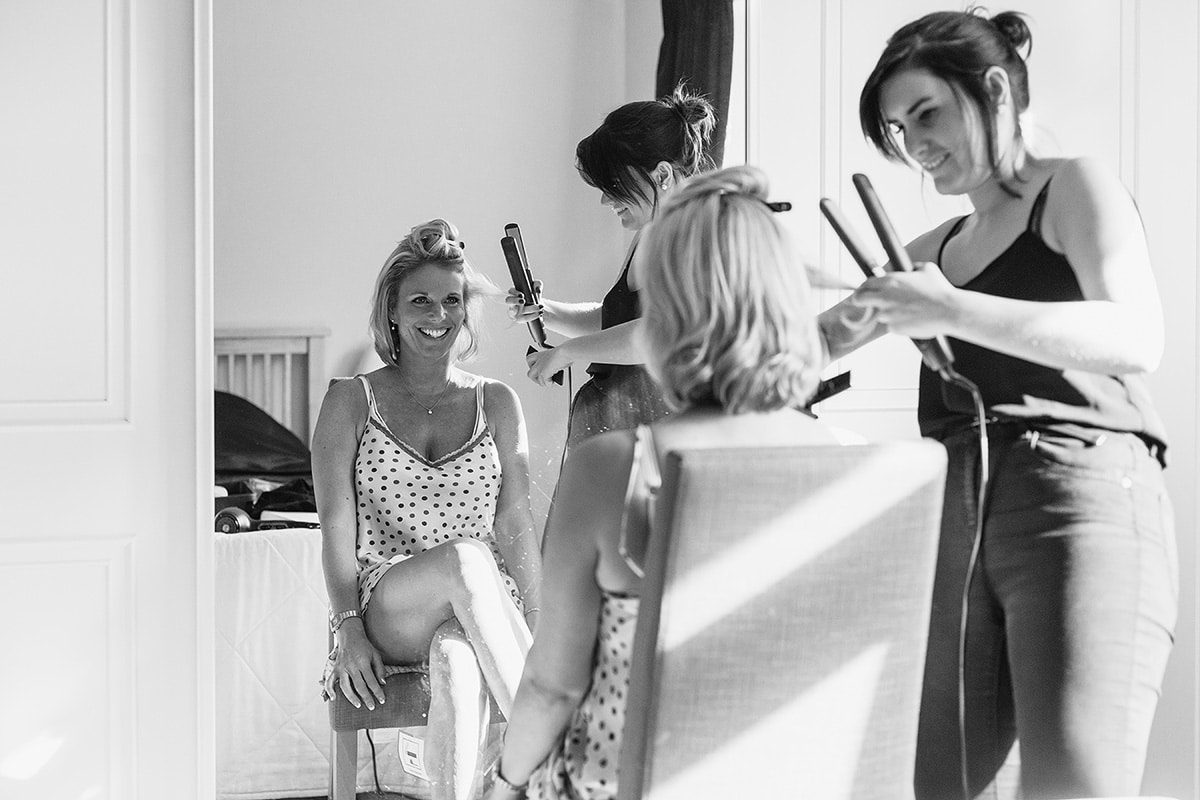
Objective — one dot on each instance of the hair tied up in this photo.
(1014, 29)
(678, 105)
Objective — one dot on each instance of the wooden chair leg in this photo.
(343, 765)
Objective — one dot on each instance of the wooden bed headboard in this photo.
(280, 370)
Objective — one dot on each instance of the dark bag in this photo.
(249, 442)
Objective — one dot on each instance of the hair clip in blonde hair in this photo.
(776, 206)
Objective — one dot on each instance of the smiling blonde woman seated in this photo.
(421, 472)
(732, 339)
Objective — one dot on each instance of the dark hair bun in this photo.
(1012, 26)
(699, 120)
(694, 109)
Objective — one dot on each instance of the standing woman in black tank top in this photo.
(1047, 298)
(639, 154)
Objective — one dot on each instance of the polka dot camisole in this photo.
(408, 504)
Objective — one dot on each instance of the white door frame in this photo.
(206, 763)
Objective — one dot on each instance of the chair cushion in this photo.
(407, 705)
(406, 691)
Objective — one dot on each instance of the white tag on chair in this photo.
(412, 755)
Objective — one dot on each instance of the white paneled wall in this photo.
(1113, 79)
(99, 414)
(63, 313)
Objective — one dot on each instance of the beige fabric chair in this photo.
(782, 627)
(407, 706)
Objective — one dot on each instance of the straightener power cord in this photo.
(938, 357)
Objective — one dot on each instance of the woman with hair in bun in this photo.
(1056, 591)
(422, 484)
(731, 338)
(637, 157)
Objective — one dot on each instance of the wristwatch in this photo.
(336, 620)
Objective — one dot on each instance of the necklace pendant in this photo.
(430, 412)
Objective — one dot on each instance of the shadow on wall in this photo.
(358, 361)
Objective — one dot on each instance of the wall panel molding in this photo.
(82, 680)
(67, 330)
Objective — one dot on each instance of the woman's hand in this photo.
(545, 364)
(357, 667)
(518, 310)
(918, 304)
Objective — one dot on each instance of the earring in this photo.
(395, 349)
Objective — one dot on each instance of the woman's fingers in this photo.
(375, 679)
(541, 366)
(526, 313)
(373, 691)
(519, 310)
(348, 692)
(915, 304)
(360, 686)
(515, 302)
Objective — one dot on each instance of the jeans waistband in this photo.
(1008, 428)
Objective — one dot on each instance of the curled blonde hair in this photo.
(726, 302)
(434, 242)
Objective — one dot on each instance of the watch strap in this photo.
(336, 620)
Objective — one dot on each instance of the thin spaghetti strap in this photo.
(372, 409)
(643, 473)
(1039, 208)
(480, 414)
(623, 278)
(953, 232)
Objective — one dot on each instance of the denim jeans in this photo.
(1070, 618)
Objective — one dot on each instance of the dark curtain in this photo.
(697, 49)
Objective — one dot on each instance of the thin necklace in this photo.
(417, 400)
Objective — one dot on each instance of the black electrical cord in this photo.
(952, 377)
(374, 763)
(937, 355)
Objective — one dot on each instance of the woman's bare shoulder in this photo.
(927, 246)
(604, 457)
(591, 489)
(342, 417)
(345, 395)
(498, 396)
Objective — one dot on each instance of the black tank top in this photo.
(619, 305)
(1020, 390)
